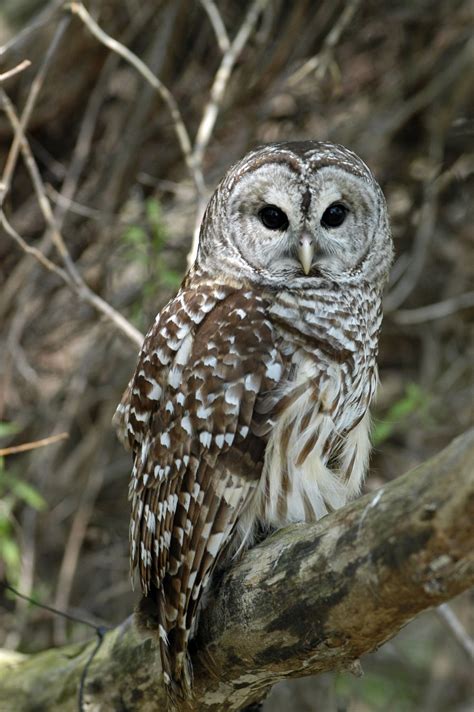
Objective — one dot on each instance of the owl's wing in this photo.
(197, 461)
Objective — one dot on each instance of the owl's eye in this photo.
(334, 215)
(273, 218)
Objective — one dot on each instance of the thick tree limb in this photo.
(310, 598)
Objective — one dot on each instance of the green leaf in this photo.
(135, 236)
(28, 494)
(10, 554)
(171, 278)
(153, 213)
(7, 429)
(414, 399)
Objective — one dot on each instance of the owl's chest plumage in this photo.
(318, 447)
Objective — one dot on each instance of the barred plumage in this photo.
(249, 405)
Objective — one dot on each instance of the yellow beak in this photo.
(306, 252)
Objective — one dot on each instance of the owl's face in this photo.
(295, 212)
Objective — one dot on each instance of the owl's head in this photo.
(290, 213)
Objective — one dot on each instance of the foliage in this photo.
(145, 245)
(414, 400)
(13, 492)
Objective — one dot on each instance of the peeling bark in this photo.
(310, 598)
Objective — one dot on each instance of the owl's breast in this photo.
(316, 455)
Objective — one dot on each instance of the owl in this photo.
(249, 406)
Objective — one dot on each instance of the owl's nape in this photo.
(249, 406)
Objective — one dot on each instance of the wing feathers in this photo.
(188, 416)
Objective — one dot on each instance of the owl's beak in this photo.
(306, 251)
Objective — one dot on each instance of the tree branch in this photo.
(310, 598)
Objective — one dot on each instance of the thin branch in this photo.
(37, 254)
(78, 529)
(74, 171)
(184, 141)
(456, 67)
(83, 142)
(29, 105)
(214, 104)
(193, 156)
(40, 191)
(222, 77)
(446, 613)
(71, 275)
(439, 310)
(322, 60)
(15, 70)
(424, 233)
(34, 445)
(51, 609)
(217, 24)
(82, 290)
(43, 18)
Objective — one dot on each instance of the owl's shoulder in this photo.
(213, 335)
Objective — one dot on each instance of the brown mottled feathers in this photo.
(188, 414)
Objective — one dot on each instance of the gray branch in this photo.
(310, 598)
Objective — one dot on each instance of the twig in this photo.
(426, 227)
(33, 445)
(213, 106)
(221, 79)
(71, 276)
(80, 522)
(30, 102)
(51, 609)
(321, 61)
(446, 613)
(43, 18)
(40, 191)
(83, 291)
(156, 57)
(83, 143)
(100, 631)
(434, 311)
(16, 70)
(37, 254)
(74, 171)
(184, 141)
(217, 24)
(456, 67)
(72, 206)
(82, 683)
(192, 155)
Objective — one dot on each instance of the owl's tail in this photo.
(175, 660)
(176, 664)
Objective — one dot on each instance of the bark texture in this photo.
(310, 598)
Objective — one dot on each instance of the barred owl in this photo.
(249, 406)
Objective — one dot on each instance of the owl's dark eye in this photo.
(334, 215)
(273, 218)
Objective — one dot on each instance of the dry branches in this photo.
(29, 106)
(193, 154)
(15, 70)
(182, 135)
(25, 447)
(221, 79)
(70, 275)
(439, 310)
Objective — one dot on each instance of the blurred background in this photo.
(391, 80)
